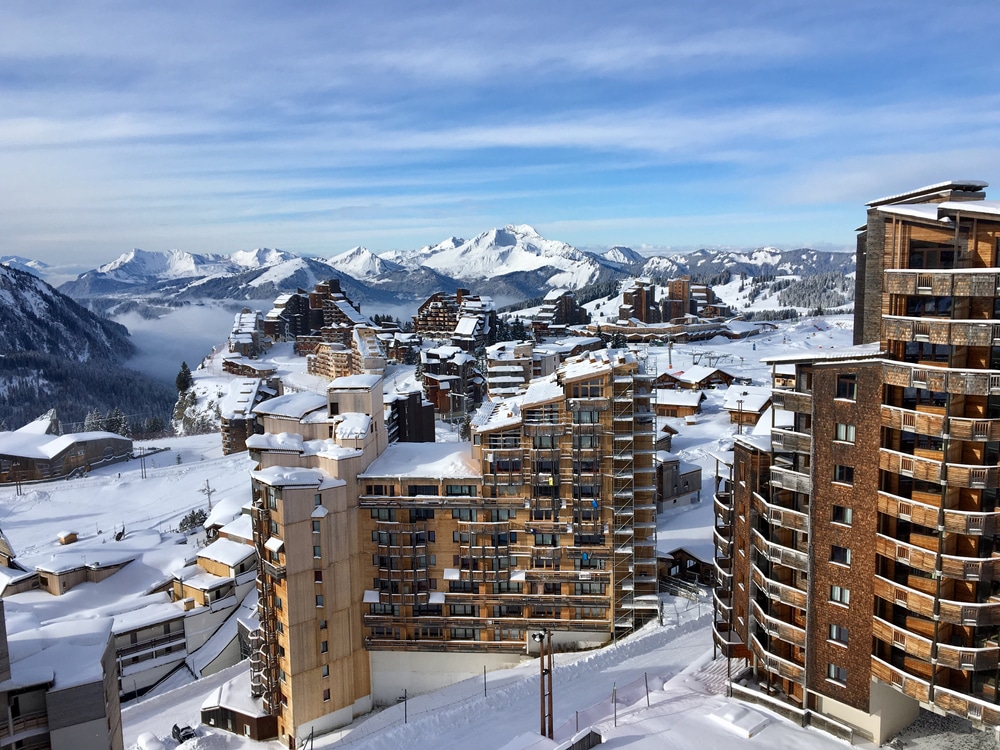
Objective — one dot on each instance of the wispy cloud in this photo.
(314, 128)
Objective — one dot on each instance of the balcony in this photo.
(940, 331)
(776, 665)
(907, 684)
(970, 523)
(972, 382)
(780, 554)
(790, 400)
(778, 628)
(943, 282)
(790, 480)
(787, 440)
(910, 466)
(776, 591)
(779, 516)
(913, 644)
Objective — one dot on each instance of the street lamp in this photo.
(544, 640)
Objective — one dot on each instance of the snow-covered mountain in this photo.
(512, 264)
(762, 261)
(36, 267)
(512, 250)
(57, 354)
(361, 263)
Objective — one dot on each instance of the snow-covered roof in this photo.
(227, 552)
(542, 390)
(555, 294)
(292, 405)
(236, 696)
(679, 396)
(241, 526)
(292, 476)
(67, 653)
(861, 351)
(28, 443)
(698, 373)
(353, 382)
(466, 325)
(746, 398)
(425, 460)
(352, 425)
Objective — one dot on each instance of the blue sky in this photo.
(315, 127)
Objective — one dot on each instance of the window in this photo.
(318, 576)
(838, 633)
(840, 594)
(322, 624)
(586, 416)
(847, 387)
(315, 527)
(317, 500)
(837, 674)
(326, 670)
(414, 490)
(463, 514)
(587, 389)
(278, 603)
(844, 432)
(324, 647)
(843, 515)
(452, 490)
(544, 442)
(317, 551)
(585, 441)
(281, 675)
(384, 514)
(326, 695)
(840, 555)
(843, 474)
(319, 600)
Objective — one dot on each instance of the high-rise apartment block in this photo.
(408, 566)
(856, 545)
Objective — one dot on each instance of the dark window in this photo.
(847, 387)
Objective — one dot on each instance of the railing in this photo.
(943, 282)
(784, 439)
(777, 628)
(792, 400)
(780, 554)
(781, 592)
(777, 515)
(951, 380)
(940, 331)
(790, 480)
(776, 664)
(972, 523)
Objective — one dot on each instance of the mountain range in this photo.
(511, 263)
(57, 354)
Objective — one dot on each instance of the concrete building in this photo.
(58, 684)
(855, 543)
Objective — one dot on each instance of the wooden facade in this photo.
(889, 468)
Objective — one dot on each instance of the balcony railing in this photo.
(940, 331)
(790, 480)
(780, 554)
(943, 282)
(790, 400)
(951, 380)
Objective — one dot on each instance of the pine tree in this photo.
(93, 422)
(184, 378)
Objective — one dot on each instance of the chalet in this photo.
(746, 404)
(698, 377)
(38, 451)
(677, 402)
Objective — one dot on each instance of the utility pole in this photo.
(207, 491)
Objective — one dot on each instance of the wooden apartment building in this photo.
(856, 546)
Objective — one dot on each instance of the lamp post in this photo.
(544, 640)
(739, 423)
